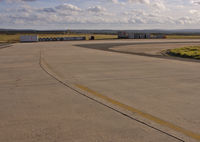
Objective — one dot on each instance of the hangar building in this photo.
(131, 35)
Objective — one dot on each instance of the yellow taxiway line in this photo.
(142, 114)
(150, 117)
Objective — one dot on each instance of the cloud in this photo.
(185, 20)
(113, 1)
(193, 11)
(96, 9)
(48, 10)
(124, 2)
(140, 1)
(158, 4)
(69, 7)
(28, 0)
(134, 14)
(9, 1)
(195, 2)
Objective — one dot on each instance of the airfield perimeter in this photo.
(102, 91)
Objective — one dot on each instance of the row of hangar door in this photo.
(62, 39)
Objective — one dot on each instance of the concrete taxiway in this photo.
(93, 91)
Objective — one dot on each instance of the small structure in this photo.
(122, 35)
(28, 38)
(131, 35)
(92, 38)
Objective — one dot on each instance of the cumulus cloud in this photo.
(140, 1)
(185, 20)
(69, 7)
(96, 9)
(195, 2)
(17, 1)
(193, 11)
(127, 1)
(48, 10)
(114, 1)
(158, 4)
(105, 12)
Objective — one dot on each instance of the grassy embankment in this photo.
(186, 52)
(16, 37)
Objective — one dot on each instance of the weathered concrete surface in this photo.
(164, 88)
(4, 45)
(152, 49)
(37, 108)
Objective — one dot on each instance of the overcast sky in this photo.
(100, 14)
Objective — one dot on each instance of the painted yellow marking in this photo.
(126, 107)
(48, 67)
(142, 114)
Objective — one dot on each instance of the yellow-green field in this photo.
(9, 38)
(186, 52)
(16, 37)
(183, 36)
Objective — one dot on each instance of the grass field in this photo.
(9, 38)
(15, 38)
(183, 36)
(186, 52)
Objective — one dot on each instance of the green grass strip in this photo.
(186, 52)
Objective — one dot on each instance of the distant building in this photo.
(28, 38)
(123, 34)
(131, 35)
(142, 36)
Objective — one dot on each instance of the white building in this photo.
(28, 38)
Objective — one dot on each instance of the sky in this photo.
(100, 14)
